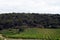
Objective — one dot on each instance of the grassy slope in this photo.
(36, 33)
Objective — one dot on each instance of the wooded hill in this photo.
(26, 20)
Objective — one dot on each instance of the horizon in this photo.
(27, 13)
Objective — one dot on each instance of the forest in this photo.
(29, 20)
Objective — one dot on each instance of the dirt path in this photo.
(0, 35)
(24, 39)
(3, 38)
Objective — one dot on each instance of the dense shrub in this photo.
(18, 20)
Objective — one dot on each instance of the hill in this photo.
(26, 20)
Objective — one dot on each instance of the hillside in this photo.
(26, 20)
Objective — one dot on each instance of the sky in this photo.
(29, 6)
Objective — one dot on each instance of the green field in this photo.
(34, 33)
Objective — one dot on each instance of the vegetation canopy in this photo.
(29, 20)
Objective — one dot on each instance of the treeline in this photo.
(18, 20)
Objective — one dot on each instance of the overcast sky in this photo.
(36, 6)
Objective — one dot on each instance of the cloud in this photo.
(39, 6)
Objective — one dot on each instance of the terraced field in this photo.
(36, 33)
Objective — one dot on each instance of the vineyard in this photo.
(35, 33)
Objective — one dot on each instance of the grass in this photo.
(34, 33)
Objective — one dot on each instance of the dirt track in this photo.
(24, 39)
